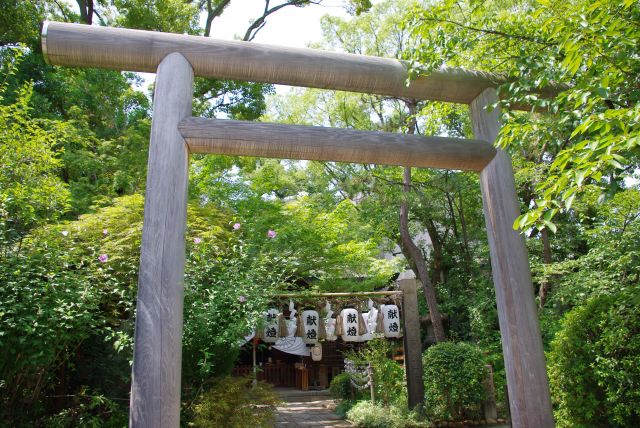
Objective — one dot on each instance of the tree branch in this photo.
(259, 23)
(213, 13)
(410, 249)
(64, 14)
(487, 31)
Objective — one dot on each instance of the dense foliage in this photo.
(31, 191)
(341, 388)
(594, 363)
(388, 375)
(591, 131)
(453, 379)
(236, 403)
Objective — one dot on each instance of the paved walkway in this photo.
(307, 409)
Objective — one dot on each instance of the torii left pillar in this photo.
(157, 358)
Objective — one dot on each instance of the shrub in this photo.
(453, 379)
(235, 403)
(367, 415)
(343, 408)
(340, 387)
(594, 363)
(388, 375)
(90, 410)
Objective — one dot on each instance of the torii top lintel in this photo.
(136, 50)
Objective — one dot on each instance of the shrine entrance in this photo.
(155, 393)
(301, 345)
(299, 371)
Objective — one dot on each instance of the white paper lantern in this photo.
(311, 321)
(350, 325)
(270, 332)
(391, 320)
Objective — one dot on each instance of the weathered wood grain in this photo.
(529, 396)
(229, 137)
(155, 388)
(412, 342)
(135, 50)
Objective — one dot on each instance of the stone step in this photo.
(295, 395)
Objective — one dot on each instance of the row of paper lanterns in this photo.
(349, 324)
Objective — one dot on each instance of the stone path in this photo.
(307, 409)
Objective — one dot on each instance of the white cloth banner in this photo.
(290, 345)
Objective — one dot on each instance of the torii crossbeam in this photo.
(155, 390)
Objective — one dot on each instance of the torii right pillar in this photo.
(527, 381)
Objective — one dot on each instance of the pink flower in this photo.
(105, 232)
(65, 232)
(197, 240)
(271, 234)
(103, 258)
(242, 299)
(236, 226)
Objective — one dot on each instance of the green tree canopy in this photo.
(588, 134)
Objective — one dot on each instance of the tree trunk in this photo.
(459, 240)
(418, 264)
(465, 235)
(86, 11)
(411, 250)
(439, 274)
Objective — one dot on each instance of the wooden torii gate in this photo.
(155, 390)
